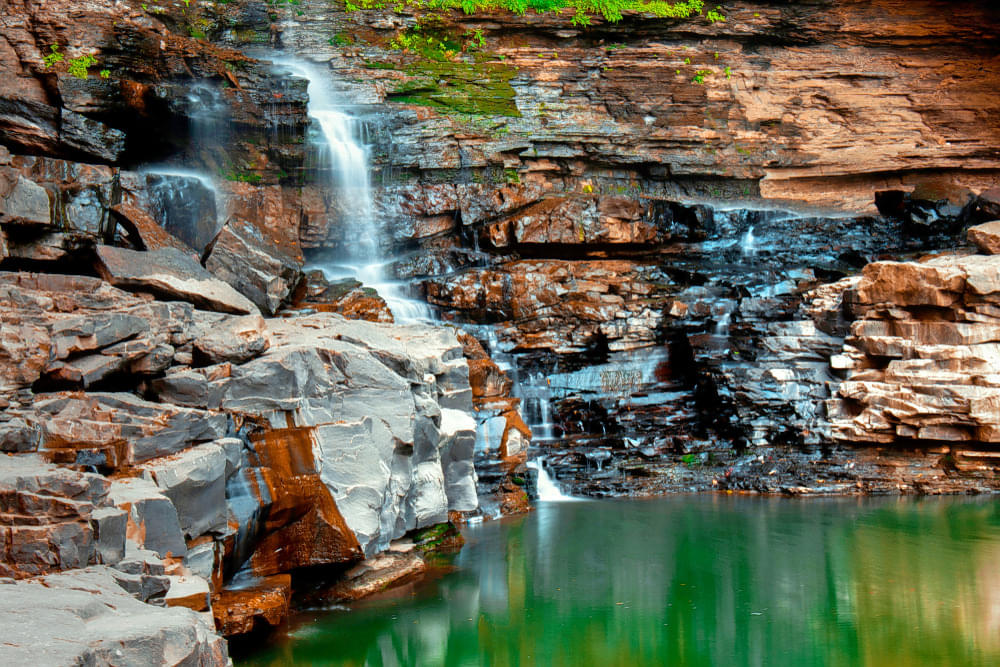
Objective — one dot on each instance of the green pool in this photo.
(695, 580)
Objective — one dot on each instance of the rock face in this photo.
(340, 441)
(920, 359)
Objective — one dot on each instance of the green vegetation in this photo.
(583, 10)
(76, 66)
(699, 76)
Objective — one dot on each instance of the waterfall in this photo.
(748, 244)
(348, 160)
(548, 491)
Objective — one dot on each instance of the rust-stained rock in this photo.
(377, 574)
(258, 605)
(302, 526)
(244, 255)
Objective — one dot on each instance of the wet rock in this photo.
(170, 272)
(184, 206)
(256, 605)
(377, 574)
(144, 232)
(346, 297)
(194, 481)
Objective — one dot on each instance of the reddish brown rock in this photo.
(986, 236)
(303, 526)
(261, 604)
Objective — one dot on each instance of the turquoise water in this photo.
(696, 580)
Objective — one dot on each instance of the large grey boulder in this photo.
(172, 273)
(236, 339)
(195, 482)
(152, 518)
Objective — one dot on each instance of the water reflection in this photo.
(693, 581)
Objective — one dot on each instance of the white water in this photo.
(348, 161)
(748, 244)
(547, 489)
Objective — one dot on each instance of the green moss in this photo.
(479, 89)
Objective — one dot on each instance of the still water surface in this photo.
(697, 580)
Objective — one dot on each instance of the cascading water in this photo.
(347, 159)
(548, 491)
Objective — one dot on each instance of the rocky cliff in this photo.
(677, 254)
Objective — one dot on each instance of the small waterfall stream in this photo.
(548, 491)
(347, 159)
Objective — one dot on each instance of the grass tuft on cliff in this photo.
(611, 10)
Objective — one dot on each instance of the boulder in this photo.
(260, 604)
(184, 206)
(152, 518)
(171, 273)
(244, 256)
(236, 339)
(143, 232)
(27, 203)
(195, 482)
(45, 516)
(986, 237)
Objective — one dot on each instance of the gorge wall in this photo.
(670, 254)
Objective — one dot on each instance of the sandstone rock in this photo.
(172, 273)
(236, 340)
(281, 501)
(26, 204)
(256, 605)
(144, 232)
(986, 236)
(377, 574)
(910, 284)
(109, 526)
(190, 592)
(126, 429)
(185, 207)
(45, 516)
(243, 256)
(458, 433)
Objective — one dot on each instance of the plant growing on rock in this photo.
(583, 10)
(54, 57)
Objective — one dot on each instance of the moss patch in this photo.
(480, 89)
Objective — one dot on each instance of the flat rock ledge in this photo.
(84, 617)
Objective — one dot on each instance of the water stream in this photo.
(346, 159)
